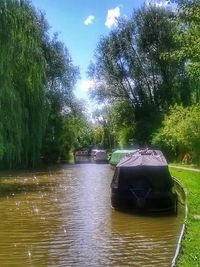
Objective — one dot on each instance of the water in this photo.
(62, 217)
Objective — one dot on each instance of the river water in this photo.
(62, 216)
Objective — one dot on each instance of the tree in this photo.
(22, 84)
(188, 39)
(101, 130)
(80, 130)
(188, 35)
(37, 77)
(62, 105)
(121, 120)
(129, 67)
(181, 131)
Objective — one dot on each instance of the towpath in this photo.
(184, 168)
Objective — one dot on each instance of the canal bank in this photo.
(190, 180)
(62, 217)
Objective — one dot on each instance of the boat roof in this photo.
(95, 151)
(124, 151)
(119, 154)
(143, 158)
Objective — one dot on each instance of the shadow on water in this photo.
(144, 214)
(20, 182)
(11, 189)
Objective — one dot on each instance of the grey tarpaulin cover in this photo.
(143, 158)
(145, 164)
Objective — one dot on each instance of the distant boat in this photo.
(142, 182)
(82, 156)
(100, 156)
(117, 155)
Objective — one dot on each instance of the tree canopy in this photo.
(129, 66)
(146, 65)
(37, 77)
(22, 83)
(145, 71)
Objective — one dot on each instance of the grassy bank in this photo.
(190, 253)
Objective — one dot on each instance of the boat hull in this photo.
(156, 202)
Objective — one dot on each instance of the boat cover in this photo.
(149, 165)
(100, 155)
(118, 155)
(143, 158)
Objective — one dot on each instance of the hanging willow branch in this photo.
(22, 84)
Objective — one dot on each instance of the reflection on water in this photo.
(63, 217)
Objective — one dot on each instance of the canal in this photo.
(62, 216)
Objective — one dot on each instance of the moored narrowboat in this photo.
(100, 156)
(142, 182)
(117, 155)
(82, 156)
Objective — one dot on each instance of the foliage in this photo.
(77, 134)
(122, 123)
(61, 75)
(124, 136)
(181, 131)
(37, 77)
(98, 136)
(102, 132)
(66, 133)
(188, 40)
(82, 132)
(22, 79)
(188, 36)
(129, 67)
(145, 65)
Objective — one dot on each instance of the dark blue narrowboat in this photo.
(142, 182)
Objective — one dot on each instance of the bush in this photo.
(181, 132)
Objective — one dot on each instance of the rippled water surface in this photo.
(62, 217)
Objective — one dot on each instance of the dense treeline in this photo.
(39, 114)
(146, 71)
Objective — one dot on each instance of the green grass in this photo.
(190, 253)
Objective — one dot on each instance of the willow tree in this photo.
(62, 105)
(22, 83)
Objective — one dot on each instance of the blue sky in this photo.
(80, 23)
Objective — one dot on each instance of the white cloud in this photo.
(162, 4)
(85, 85)
(112, 16)
(159, 3)
(89, 20)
